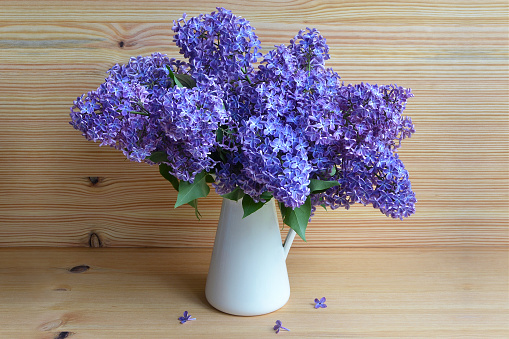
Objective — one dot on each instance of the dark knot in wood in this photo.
(79, 269)
(95, 241)
(93, 180)
(63, 335)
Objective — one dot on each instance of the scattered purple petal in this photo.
(186, 318)
(279, 326)
(320, 303)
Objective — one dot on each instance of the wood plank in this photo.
(371, 293)
(452, 53)
(373, 12)
(67, 210)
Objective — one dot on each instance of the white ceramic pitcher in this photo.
(247, 273)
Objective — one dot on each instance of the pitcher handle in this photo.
(288, 242)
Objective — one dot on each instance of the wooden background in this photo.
(57, 189)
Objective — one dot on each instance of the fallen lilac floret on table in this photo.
(279, 326)
(186, 318)
(320, 303)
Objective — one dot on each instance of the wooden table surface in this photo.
(439, 292)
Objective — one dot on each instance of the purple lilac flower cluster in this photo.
(219, 45)
(268, 131)
(138, 111)
(368, 168)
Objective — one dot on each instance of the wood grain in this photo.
(453, 54)
(448, 292)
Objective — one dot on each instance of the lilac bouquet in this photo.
(287, 129)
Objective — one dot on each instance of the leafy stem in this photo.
(140, 113)
(244, 70)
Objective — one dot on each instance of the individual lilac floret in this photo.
(320, 303)
(186, 318)
(279, 326)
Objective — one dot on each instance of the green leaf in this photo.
(185, 80)
(228, 131)
(219, 135)
(284, 210)
(191, 191)
(333, 171)
(234, 195)
(221, 154)
(164, 169)
(266, 195)
(297, 218)
(210, 179)
(194, 204)
(250, 206)
(319, 186)
(173, 77)
(158, 157)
